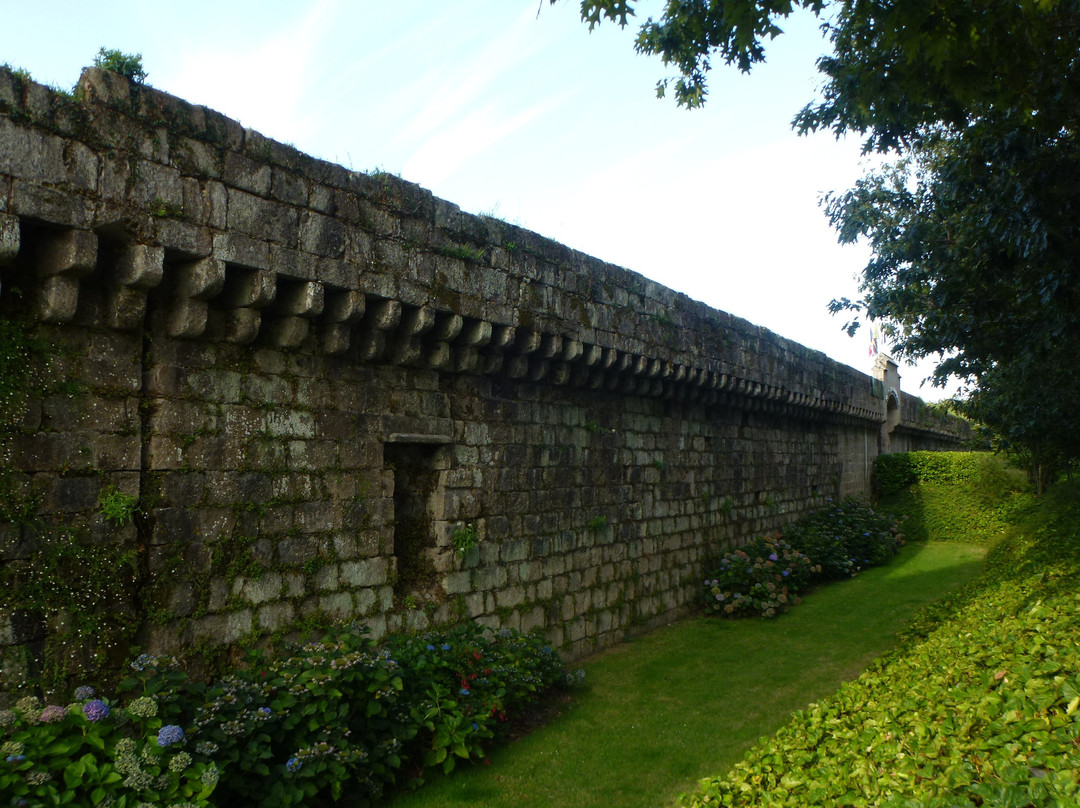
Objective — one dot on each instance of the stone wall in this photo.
(320, 384)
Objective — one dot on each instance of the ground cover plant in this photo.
(980, 705)
(340, 719)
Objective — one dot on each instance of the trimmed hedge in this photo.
(895, 472)
(952, 496)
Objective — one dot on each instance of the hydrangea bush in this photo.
(835, 542)
(845, 538)
(304, 725)
(466, 683)
(302, 728)
(91, 752)
(759, 579)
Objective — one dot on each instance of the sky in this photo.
(514, 109)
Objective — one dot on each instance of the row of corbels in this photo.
(286, 311)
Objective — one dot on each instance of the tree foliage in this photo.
(974, 224)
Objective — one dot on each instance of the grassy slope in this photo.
(980, 706)
(690, 699)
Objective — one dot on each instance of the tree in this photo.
(974, 226)
(896, 67)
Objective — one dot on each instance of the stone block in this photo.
(276, 616)
(338, 605)
(262, 219)
(365, 573)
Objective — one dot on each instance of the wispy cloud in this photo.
(262, 82)
(447, 151)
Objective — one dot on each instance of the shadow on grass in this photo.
(687, 700)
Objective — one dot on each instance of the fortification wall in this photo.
(320, 384)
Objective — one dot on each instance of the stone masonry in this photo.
(318, 383)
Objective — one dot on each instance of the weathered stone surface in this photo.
(324, 381)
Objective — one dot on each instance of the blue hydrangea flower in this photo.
(464, 691)
(293, 764)
(430, 647)
(142, 662)
(169, 734)
(84, 692)
(446, 646)
(96, 710)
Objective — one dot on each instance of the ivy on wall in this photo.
(72, 597)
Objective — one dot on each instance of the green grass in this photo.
(688, 700)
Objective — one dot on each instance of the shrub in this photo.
(846, 538)
(126, 64)
(345, 713)
(465, 682)
(952, 496)
(92, 752)
(759, 579)
(304, 725)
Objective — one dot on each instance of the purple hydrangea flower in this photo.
(169, 734)
(52, 713)
(95, 710)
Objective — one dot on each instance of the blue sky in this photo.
(514, 109)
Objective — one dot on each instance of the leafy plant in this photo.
(93, 752)
(845, 538)
(82, 593)
(462, 252)
(20, 74)
(164, 209)
(116, 506)
(22, 354)
(126, 64)
(467, 682)
(464, 539)
(759, 579)
(328, 714)
(346, 714)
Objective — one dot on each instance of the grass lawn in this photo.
(686, 701)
